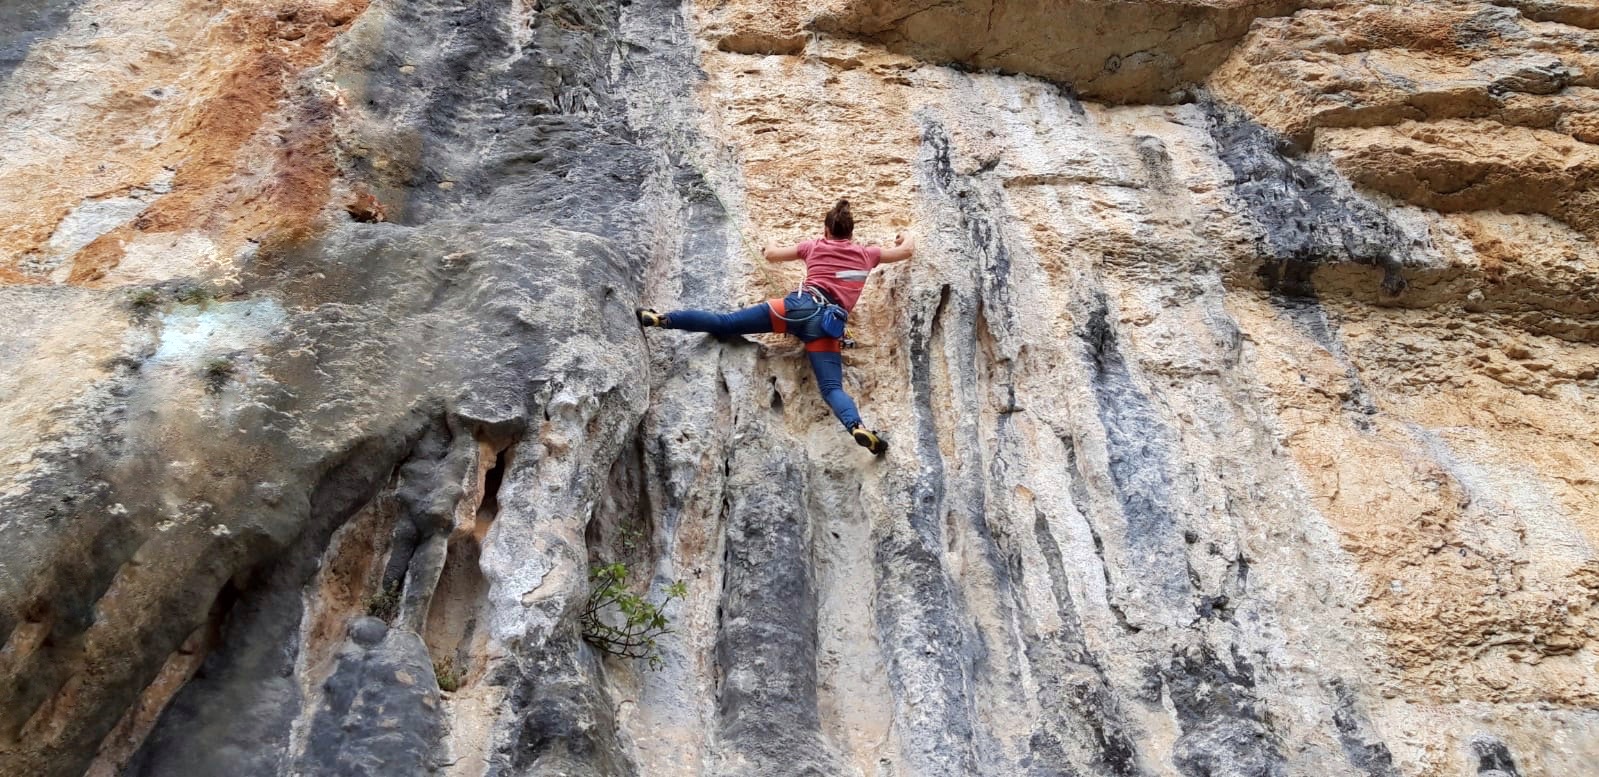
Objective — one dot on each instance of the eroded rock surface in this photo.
(1455, 106)
(1241, 392)
(1114, 51)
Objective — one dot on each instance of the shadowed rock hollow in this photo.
(1241, 392)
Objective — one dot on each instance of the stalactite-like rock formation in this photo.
(1241, 391)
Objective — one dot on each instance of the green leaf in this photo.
(641, 620)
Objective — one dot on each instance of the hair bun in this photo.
(839, 221)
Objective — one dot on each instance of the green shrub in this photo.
(643, 622)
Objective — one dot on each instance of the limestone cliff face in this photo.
(1242, 392)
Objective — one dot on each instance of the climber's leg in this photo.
(751, 320)
(829, 369)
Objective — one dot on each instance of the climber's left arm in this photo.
(776, 252)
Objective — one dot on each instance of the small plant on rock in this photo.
(193, 295)
(384, 604)
(217, 371)
(632, 540)
(143, 300)
(448, 675)
(642, 621)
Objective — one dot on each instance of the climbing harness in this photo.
(816, 296)
(830, 317)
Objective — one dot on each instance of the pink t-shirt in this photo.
(838, 267)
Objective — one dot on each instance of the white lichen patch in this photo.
(190, 334)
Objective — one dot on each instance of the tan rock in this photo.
(1457, 165)
(1578, 13)
(1113, 51)
(1362, 65)
(1443, 437)
(186, 98)
(1453, 106)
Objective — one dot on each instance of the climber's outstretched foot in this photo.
(869, 440)
(647, 317)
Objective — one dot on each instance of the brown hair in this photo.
(840, 222)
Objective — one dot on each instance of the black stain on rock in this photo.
(380, 710)
(1224, 730)
(918, 608)
(427, 489)
(1074, 690)
(975, 216)
(1361, 745)
(24, 22)
(1309, 316)
(1493, 758)
(1140, 457)
(234, 717)
(766, 642)
(1307, 212)
(546, 184)
(1079, 491)
(503, 130)
(1309, 217)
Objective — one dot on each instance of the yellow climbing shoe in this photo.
(647, 317)
(869, 440)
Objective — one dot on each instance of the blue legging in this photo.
(827, 365)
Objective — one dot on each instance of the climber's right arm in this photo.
(904, 248)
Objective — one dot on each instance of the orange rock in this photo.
(366, 208)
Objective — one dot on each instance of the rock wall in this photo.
(1241, 391)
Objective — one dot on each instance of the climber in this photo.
(835, 274)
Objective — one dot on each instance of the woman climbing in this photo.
(835, 274)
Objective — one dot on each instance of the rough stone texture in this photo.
(302, 377)
(1251, 435)
(193, 101)
(1113, 51)
(766, 647)
(379, 712)
(22, 22)
(1455, 106)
